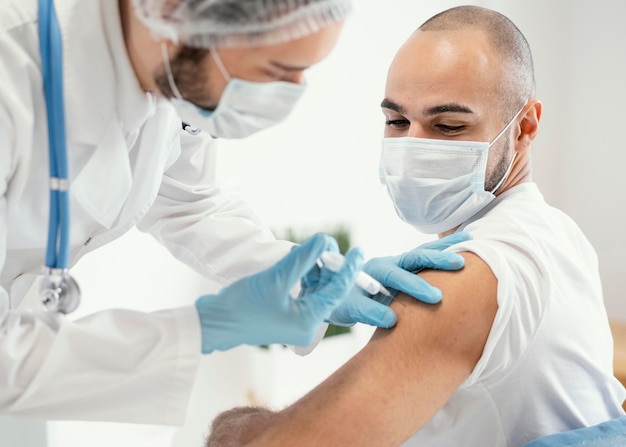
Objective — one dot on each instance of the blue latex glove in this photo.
(396, 273)
(258, 309)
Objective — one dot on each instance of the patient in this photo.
(520, 346)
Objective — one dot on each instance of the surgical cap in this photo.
(237, 23)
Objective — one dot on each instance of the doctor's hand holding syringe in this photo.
(260, 309)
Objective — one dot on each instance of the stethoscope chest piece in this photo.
(59, 291)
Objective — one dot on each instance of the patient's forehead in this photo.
(458, 66)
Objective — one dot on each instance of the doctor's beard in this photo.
(189, 72)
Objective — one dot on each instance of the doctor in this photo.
(131, 71)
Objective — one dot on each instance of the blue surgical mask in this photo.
(436, 185)
(245, 107)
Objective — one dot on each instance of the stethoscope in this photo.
(58, 290)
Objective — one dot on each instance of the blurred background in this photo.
(319, 171)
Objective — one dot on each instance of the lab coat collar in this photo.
(105, 106)
(134, 105)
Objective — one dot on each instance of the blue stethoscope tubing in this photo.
(57, 252)
(58, 247)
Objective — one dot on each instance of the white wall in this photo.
(319, 169)
(580, 154)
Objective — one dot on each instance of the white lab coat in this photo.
(130, 164)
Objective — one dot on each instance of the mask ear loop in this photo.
(169, 74)
(219, 63)
(506, 174)
(507, 126)
(508, 170)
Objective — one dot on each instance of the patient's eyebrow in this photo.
(452, 107)
(389, 104)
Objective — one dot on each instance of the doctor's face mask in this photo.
(244, 108)
(436, 185)
(246, 88)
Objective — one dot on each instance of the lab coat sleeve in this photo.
(204, 225)
(116, 365)
(208, 227)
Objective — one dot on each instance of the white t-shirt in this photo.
(547, 363)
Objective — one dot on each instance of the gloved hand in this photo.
(259, 310)
(396, 273)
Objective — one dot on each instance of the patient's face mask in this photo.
(245, 107)
(436, 185)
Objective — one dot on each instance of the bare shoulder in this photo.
(453, 331)
(405, 375)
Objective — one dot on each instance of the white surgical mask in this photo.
(436, 185)
(245, 107)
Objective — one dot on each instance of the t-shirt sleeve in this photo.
(522, 294)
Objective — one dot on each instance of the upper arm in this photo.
(399, 381)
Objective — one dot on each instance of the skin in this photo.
(439, 86)
(236, 426)
(205, 83)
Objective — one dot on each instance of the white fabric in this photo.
(233, 23)
(547, 364)
(435, 185)
(245, 108)
(130, 164)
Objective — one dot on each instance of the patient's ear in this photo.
(529, 125)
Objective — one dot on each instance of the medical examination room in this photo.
(527, 346)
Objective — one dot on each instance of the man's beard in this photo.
(500, 169)
(189, 73)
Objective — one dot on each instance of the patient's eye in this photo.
(397, 123)
(448, 129)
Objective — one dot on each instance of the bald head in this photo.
(518, 80)
(467, 74)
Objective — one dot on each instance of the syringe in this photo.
(335, 261)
